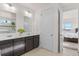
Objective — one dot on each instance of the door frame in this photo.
(78, 32)
(60, 36)
(59, 30)
(60, 40)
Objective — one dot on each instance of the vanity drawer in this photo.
(6, 48)
(19, 46)
(29, 43)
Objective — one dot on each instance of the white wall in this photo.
(36, 22)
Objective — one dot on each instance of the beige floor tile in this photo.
(44, 52)
(70, 45)
(40, 52)
(70, 52)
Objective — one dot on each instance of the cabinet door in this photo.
(6, 48)
(29, 43)
(19, 46)
(36, 41)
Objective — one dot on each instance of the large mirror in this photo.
(28, 22)
(7, 22)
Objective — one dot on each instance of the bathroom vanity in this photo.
(18, 46)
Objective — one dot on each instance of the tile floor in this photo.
(70, 52)
(44, 52)
(40, 52)
(70, 49)
(70, 45)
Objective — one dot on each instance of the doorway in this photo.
(69, 32)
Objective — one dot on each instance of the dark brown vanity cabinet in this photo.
(19, 46)
(36, 41)
(6, 48)
(29, 43)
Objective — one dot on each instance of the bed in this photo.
(71, 37)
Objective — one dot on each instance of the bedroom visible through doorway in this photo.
(70, 32)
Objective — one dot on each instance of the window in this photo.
(68, 25)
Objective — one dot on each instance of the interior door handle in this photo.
(51, 35)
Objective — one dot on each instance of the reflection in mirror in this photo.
(28, 22)
(7, 22)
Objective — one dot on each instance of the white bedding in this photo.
(70, 35)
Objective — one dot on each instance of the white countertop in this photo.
(13, 36)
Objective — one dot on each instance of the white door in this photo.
(49, 29)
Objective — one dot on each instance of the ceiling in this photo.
(38, 6)
(69, 6)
